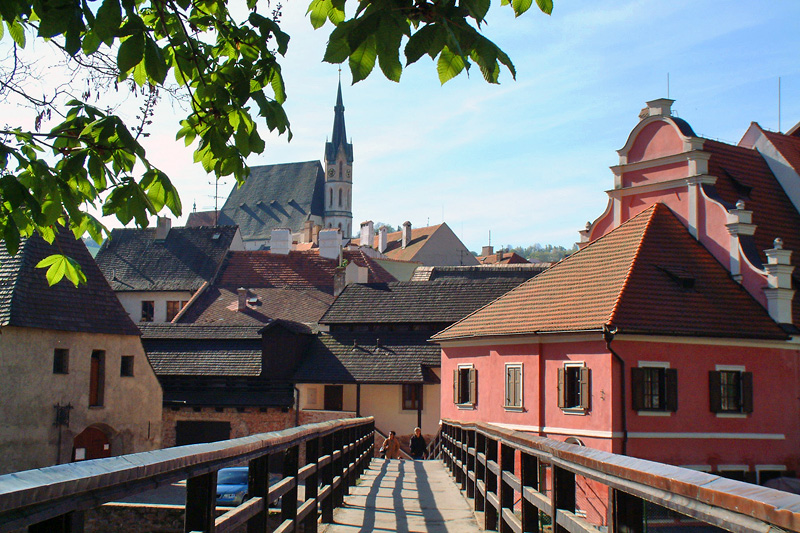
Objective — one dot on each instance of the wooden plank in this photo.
(510, 519)
(512, 480)
(573, 523)
(306, 471)
(304, 509)
(280, 488)
(537, 499)
(238, 515)
(285, 527)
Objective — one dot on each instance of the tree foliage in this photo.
(228, 70)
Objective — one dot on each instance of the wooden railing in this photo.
(521, 482)
(336, 453)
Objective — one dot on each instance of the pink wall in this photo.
(776, 380)
(657, 139)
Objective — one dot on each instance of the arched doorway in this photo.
(91, 443)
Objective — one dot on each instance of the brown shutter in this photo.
(562, 389)
(637, 388)
(585, 389)
(747, 392)
(715, 391)
(455, 386)
(509, 386)
(473, 386)
(672, 389)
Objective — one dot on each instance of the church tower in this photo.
(339, 174)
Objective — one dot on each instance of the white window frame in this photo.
(768, 468)
(521, 405)
(733, 468)
(467, 406)
(654, 364)
(730, 368)
(573, 410)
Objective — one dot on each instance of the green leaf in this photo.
(521, 6)
(17, 33)
(108, 20)
(59, 266)
(477, 9)
(154, 62)
(428, 40)
(546, 6)
(131, 52)
(362, 61)
(449, 65)
(11, 236)
(90, 43)
(318, 12)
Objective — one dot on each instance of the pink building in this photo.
(671, 335)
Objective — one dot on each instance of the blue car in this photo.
(232, 486)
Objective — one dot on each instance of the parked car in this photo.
(232, 486)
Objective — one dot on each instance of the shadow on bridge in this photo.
(404, 496)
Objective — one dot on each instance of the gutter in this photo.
(608, 336)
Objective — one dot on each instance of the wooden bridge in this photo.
(487, 478)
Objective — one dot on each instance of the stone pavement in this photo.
(404, 496)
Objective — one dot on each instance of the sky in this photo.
(526, 160)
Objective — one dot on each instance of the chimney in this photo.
(367, 231)
(584, 233)
(162, 229)
(242, 305)
(383, 241)
(308, 229)
(281, 241)
(660, 107)
(500, 255)
(315, 234)
(487, 250)
(330, 242)
(779, 290)
(406, 233)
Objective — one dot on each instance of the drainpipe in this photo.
(608, 336)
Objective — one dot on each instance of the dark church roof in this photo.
(339, 137)
(27, 301)
(276, 196)
(134, 260)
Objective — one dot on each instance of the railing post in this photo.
(471, 450)
(626, 512)
(312, 485)
(459, 453)
(289, 500)
(529, 477)
(327, 479)
(201, 499)
(352, 457)
(563, 495)
(71, 522)
(338, 490)
(507, 462)
(480, 471)
(258, 486)
(490, 513)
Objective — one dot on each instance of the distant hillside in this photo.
(538, 253)
(91, 245)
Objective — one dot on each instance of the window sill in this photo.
(731, 415)
(96, 406)
(574, 410)
(465, 406)
(654, 413)
(514, 408)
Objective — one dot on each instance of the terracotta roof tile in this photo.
(502, 258)
(394, 241)
(646, 276)
(295, 270)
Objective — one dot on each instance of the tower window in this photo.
(340, 197)
(330, 196)
(340, 170)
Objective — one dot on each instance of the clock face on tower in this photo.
(331, 172)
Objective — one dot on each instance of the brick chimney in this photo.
(779, 290)
(406, 233)
(383, 240)
(367, 231)
(330, 242)
(162, 228)
(487, 250)
(280, 241)
(242, 293)
(308, 229)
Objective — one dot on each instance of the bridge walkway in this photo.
(404, 496)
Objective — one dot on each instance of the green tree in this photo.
(225, 66)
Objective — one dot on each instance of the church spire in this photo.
(339, 136)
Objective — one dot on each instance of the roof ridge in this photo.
(654, 209)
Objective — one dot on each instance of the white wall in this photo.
(132, 302)
(131, 410)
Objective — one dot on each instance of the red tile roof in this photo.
(377, 274)
(502, 258)
(743, 173)
(394, 240)
(647, 276)
(296, 270)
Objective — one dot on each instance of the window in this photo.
(60, 361)
(513, 386)
(148, 309)
(330, 198)
(97, 378)
(412, 397)
(573, 386)
(126, 366)
(730, 390)
(655, 387)
(465, 385)
(334, 397)
(173, 307)
(340, 197)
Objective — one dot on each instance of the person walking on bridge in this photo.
(417, 444)
(391, 447)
